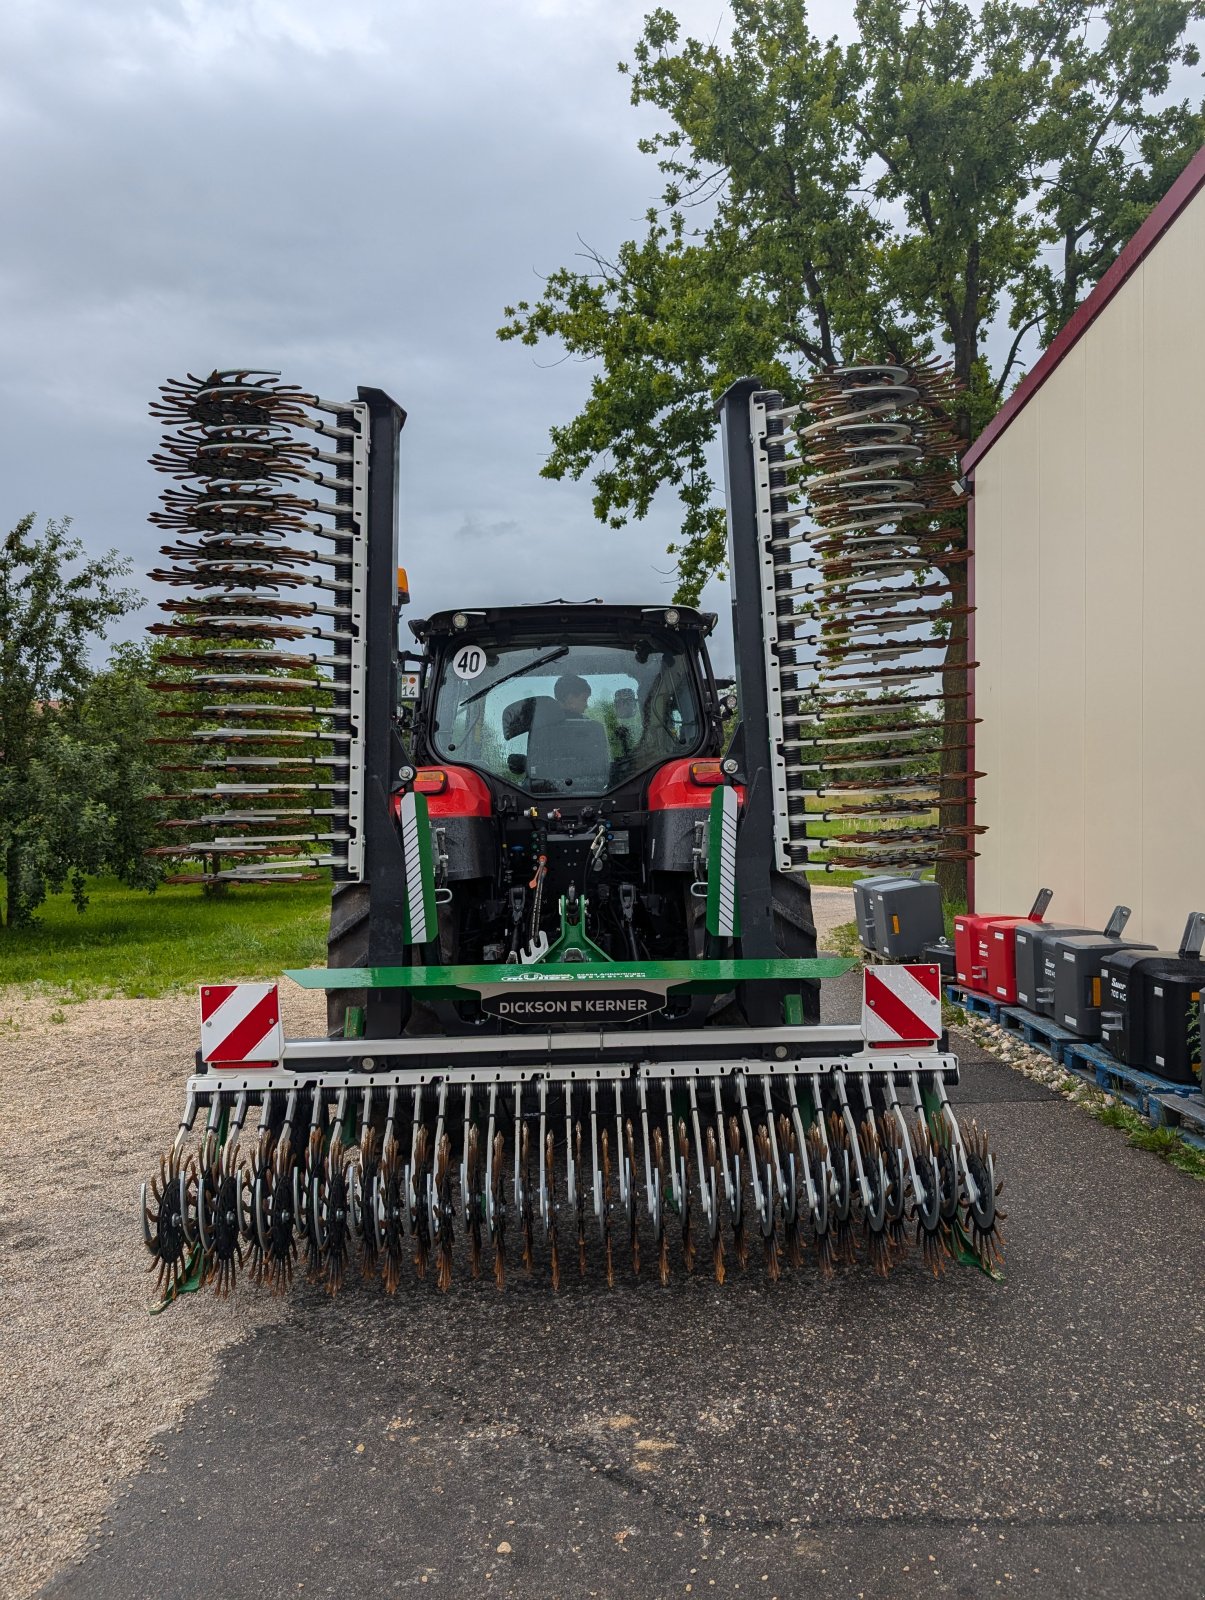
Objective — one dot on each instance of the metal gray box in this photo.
(864, 910)
(907, 916)
(1035, 983)
(1077, 978)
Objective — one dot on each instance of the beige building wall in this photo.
(1090, 631)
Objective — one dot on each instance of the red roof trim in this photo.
(1152, 230)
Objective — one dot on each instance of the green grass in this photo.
(844, 940)
(132, 943)
(825, 830)
(1162, 1142)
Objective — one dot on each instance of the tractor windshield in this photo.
(575, 718)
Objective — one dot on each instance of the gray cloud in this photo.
(348, 192)
(502, 535)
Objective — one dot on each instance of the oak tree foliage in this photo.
(956, 170)
(951, 183)
(74, 764)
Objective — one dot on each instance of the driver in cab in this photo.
(572, 694)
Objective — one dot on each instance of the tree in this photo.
(955, 172)
(71, 781)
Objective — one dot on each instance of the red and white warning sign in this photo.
(240, 1024)
(901, 1005)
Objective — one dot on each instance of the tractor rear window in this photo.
(572, 719)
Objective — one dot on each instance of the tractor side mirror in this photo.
(517, 764)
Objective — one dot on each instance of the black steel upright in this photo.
(383, 754)
(751, 746)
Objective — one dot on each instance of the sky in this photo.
(351, 192)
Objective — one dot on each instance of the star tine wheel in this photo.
(792, 1237)
(984, 1216)
(554, 1253)
(389, 1205)
(663, 1243)
(740, 1241)
(769, 1240)
(633, 1235)
(529, 1248)
(169, 1205)
(422, 1231)
(443, 1196)
(581, 1201)
(499, 1203)
(473, 1174)
(717, 1246)
(826, 1254)
(606, 1200)
(688, 1243)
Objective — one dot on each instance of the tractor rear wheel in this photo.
(346, 946)
(795, 927)
(795, 935)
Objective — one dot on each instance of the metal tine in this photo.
(571, 1174)
(822, 1127)
(434, 1211)
(465, 1197)
(523, 1183)
(679, 1155)
(764, 1203)
(493, 1202)
(652, 1179)
(548, 1183)
(356, 1184)
(677, 1181)
(518, 1127)
(303, 1172)
(778, 1167)
(212, 1124)
(604, 1194)
(732, 1190)
(708, 1198)
(416, 1124)
(600, 1198)
(545, 1209)
(239, 1116)
(812, 1190)
(901, 1121)
(625, 1174)
(970, 1187)
(186, 1121)
(627, 1154)
(851, 1126)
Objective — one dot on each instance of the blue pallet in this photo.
(978, 1005)
(1040, 1032)
(1183, 1112)
(1142, 1090)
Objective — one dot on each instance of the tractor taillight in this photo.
(706, 774)
(430, 780)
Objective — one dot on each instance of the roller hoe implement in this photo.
(573, 1020)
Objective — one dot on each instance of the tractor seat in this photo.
(567, 752)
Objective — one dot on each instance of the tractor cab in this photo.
(567, 702)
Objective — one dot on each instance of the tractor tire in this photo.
(795, 926)
(346, 946)
(795, 932)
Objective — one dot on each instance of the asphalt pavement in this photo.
(1040, 1435)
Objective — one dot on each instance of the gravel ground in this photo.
(91, 1094)
(1040, 1435)
(831, 907)
(85, 1394)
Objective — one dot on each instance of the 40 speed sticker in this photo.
(469, 662)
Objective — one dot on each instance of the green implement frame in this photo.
(695, 976)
